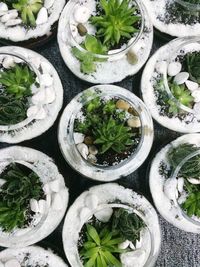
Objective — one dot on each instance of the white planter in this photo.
(46, 222)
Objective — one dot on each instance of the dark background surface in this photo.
(179, 249)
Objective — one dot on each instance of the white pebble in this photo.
(36, 61)
(181, 78)
(48, 3)
(46, 79)
(78, 138)
(134, 122)
(93, 150)
(104, 215)
(34, 205)
(41, 114)
(57, 203)
(12, 14)
(182, 198)
(161, 66)
(8, 62)
(91, 201)
(74, 30)
(134, 258)
(46, 189)
(174, 68)
(32, 111)
(180, 184)
(92, 158)
(2, 182)
(84, 213)
(39, 97)
(42, 206)
(170, 188)
(49, 95)
(82, 14)
(124, 244)
(191, 85)
(196, 95)
(194, 181)
(3, 7)
(12, 263)
(83, 149)
(42, 16)
(55, 185)
(13, 22)
(131, 246)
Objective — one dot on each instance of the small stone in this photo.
(124, 244)
(42, 206)
(49, 95)
(180, 184)
(121, 104)
(131, 246)
(11, 14)
(132, 111)
(91, 158)
(82, 14)
(83, 149)
(74, 30)
(39, 97)
(174, 68)
(192, 86)
(46, 188)
(78, 138)
(134, 122)
(2, 182)
(193, 181)
(32, 111)
(42, 16)
(8, 62)
(88, 140)
(181, 78)
(91, 201)
(81, 29)
(134, 258)
(3, 7)
(13, 22)
(196, 95)
(161, 66)
(104, 215)
(34, 205)
(57, 203)
(93, 150)
(12, 263)
(55, 185)
(46, 79)
(41, 114)
(170, 188)
(132, 58)
(48, 3)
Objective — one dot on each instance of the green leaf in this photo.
(93, 234)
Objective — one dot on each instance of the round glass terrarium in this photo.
(175, 175)
(129, 56)
(111, 197)
(96, 171)
(192, 5)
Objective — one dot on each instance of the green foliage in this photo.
(193, 1)
(117, 21)
(12, 110)
(15, 195)
(192, 203)
(17, 80)
(182, 94)
(128, 224)
(28, 10)
(87, 58)
(101, 249)
(113, 135)
(193, 66)
(191, 169)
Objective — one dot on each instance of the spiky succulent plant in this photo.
(118, 20)
(193, 66)
(182, 94)
(28, 10)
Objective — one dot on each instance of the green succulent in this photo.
(193, 1)
(128, 224)
(111, 134)
(101, 249)
(192, 63)
(182, 94)
(28, 10)
(15, 195)
(18, 80)
(119, 20)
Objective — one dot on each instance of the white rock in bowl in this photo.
(174, 68)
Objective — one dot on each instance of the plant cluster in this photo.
(100, 246)
(107, 126)
(192, 65)
(15, 194)
(118, 20)
(193, 1)
(28, 9)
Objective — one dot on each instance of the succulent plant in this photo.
(28, 10)
(192, 63)
(182, 94)
(118, 20)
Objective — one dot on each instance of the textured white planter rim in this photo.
(107, 72)
(19, 33)
(102, 173)
(147, 89)
(36, 254)
(48, 171)
(35, 127)
(107, 193)
(177, 30)
(173, 214)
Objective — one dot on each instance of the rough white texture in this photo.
(33, 110)
(12, 263)
(36, 255)
(109, 71)
(8, 62)
(172, 213)
(133, 259)
(109, 193)
(47, 171)
(78, 138)
(180, 184)
(170, 188)
(91, 201)
(104, 215)
(82, 14)
(57, 203)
